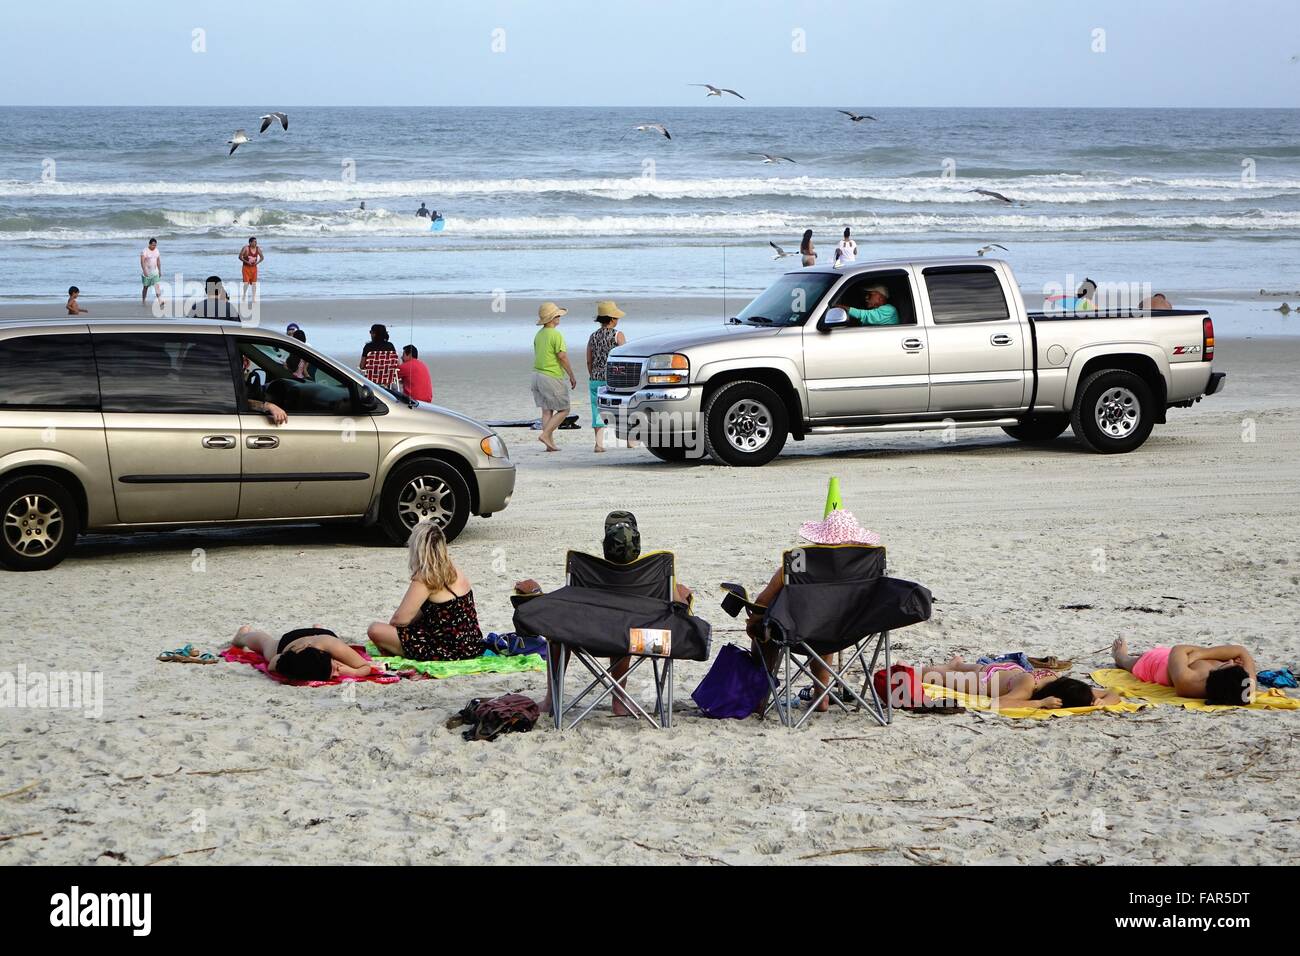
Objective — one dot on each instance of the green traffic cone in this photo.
(833, 501)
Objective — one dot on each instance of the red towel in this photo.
(242, 655)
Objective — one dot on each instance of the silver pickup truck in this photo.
(959, 351)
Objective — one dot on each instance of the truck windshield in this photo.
(788, 300)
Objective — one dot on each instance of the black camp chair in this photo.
(837, 600)
(592, 617)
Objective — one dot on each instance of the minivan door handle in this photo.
(218, 441)
(262, 441)
(913, 345)
(1000, 338)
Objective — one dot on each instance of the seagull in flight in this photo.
(270, 118)
(236, 141)
(716, 90)
(985, 250)
(780, 253)
(654, 127)
(770, 158)
(858, 117)
(992, 195)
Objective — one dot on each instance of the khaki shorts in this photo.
(550, 393)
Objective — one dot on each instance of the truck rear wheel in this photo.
(1039, 428)
(1113, 411)
(745, 424)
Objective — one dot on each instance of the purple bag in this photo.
(735, 685)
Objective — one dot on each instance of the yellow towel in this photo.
(1127, 685)
(977, 702)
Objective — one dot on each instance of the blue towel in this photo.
(511, 644)
(1018, 658)
(1281, 677)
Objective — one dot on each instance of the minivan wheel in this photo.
(39, 520)
(423, 490)
(1039, 428)
(745, 423)
(1113, 411)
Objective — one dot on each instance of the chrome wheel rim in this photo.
(426, 498)
(747, 425)
(1117, 412)
(33, 525)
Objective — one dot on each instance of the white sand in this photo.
(1198, 525)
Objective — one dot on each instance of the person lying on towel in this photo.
(307, 653)
(622, 545)
(1225, 674)
(1010, 685)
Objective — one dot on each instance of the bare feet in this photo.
(621, 709)
(599, 450)
(1119, 651)
(239, 635)
(549, 445)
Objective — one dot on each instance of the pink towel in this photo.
(242, 655)
(1153, 666)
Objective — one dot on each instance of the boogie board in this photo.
(437, 224)
(570, 422)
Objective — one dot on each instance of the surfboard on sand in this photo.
(570, 422)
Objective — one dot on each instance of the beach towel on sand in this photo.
(1125, 684)
(488, 663)
(242, 655)
(978, 702)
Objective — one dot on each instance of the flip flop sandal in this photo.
(188, 655)
(1051, 663)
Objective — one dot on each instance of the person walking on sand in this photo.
(847, 251)
(599, 345)
(73, 307)
(250, 257)
(550, 366)
(807, 251)
(150, 271)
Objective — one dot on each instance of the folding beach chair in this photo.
(592, 617)
(835, 600)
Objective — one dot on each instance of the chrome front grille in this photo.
(623, 376)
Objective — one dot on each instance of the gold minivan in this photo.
(120, 425)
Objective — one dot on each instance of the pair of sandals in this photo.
(188, 655)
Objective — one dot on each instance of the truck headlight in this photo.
(494, 447)
(668, 368)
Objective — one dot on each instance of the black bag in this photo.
(599, 621)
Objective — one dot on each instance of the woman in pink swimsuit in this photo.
(1218, 675)
(1010, 685)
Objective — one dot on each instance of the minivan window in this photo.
(48, 371)
(162, 373)
(965, 295)
(290, 378)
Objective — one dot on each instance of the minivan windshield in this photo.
(789, 300)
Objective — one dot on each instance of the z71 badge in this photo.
(1186, 349)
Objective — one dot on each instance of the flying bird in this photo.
(858, 117)
(654, 127)
(270, 118)
(716, 91)
(992, 195)
(236, 141)
(780, 253)
(984, 250)
(770, 158)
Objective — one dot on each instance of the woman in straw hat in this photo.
(550, 366)
(839, 527)
(599, 345)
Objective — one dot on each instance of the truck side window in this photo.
(48, 371)
(965, 295)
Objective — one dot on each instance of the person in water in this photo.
(306, 653)
(437, 620)
(423, 212)
(1224, 674)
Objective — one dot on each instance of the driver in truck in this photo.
(878, 310)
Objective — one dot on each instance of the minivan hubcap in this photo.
(33, 525)
(1117, 412)
(747, 425)
(425, 498)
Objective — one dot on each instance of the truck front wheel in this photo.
(745, 423)
(1039, 428)
(1113, 411)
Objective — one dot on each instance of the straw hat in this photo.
(549, 312)
(840, 527)
(608, 310)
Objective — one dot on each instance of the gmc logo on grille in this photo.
(623, 374)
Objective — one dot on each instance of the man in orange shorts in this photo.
(249, 257)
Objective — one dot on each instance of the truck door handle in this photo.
(913, 345)
(262, 441)
(218, 441)
(1000, 339)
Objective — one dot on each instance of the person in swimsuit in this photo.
(150, 271)
(306, 653)
(249, 258)
(1218, 675)
(1010, 685)
(807, 251)
(73, 307)
(437, 620)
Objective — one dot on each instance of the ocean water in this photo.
(574, 202)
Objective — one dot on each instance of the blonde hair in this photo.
(429, 561)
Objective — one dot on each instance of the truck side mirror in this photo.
(834, 318)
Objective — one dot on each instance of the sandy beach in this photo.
(1048, 550)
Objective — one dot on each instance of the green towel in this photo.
(487, 664)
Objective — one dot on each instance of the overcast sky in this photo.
(864, 53)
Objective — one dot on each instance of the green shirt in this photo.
(547, 345)
(885, 315)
